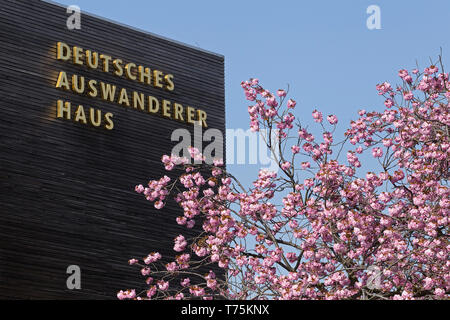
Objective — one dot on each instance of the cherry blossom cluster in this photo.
(325, 227)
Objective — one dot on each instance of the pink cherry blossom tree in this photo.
(323, 227)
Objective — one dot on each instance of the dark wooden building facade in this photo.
(67, 188)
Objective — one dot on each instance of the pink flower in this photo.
(159, 205)
(186, 282)
(387, 142)
(383, 88)
(408, 96)
(171, 267)
(281, 93)
(211, 283)
(163, 285)
(128, 294)
(180, 243)
(190, 224)
(181, 220)
(405, 75)
(317, 115)
(295, 149)
(285, 165)
(292, 257)
(428, 283)
(389, 103)
(218, 162)
(197, 291)
(439, 292)
(151, 292)
(306, 165)
(308, 183)
(377, 152)
(152, 257)
(271, 101)
(291, 104)
(254, 81)
(145, 271)
(430, 70)
(332, 119)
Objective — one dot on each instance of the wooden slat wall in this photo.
(67, 190)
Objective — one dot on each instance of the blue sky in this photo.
(322, 49)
